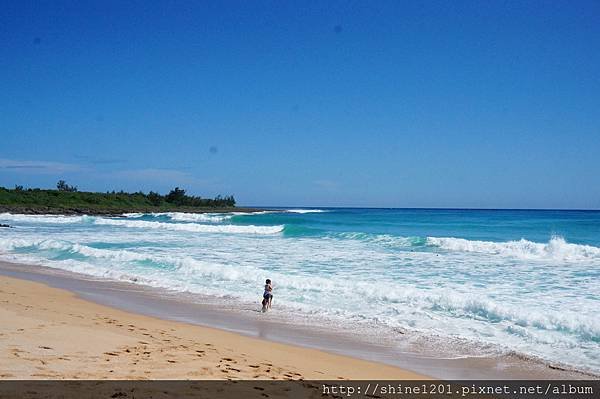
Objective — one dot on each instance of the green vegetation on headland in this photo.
(68, 200)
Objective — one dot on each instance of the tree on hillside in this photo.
(229, 200)
(176, 196)
(63, 186)
(155, 198)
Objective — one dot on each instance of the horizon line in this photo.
(421, 208)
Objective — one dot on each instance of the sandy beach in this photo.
(49, 333)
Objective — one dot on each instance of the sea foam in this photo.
(50, 219)
(557, 248)
(192, 227)
(305, 210)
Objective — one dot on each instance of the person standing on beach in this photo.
(267, 296)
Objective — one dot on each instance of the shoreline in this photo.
(51, 333)
(117, 212)
(157, 303)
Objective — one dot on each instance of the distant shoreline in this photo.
(40, 210)
(68, 200)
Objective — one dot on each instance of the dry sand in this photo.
(49, 333)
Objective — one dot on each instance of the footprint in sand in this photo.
(16, 352)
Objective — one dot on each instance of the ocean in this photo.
(480, 282)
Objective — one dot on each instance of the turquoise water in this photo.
(495, 281)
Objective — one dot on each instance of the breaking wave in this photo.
(46, 219)
(305, 210)
(191, 217)
(557, 248)
(192, 227)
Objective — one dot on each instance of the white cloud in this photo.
(150, 177)
(38, 167)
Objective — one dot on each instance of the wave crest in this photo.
(557, 248)
(46, 219)
(305, 210)
(192, 227)
(188, 217)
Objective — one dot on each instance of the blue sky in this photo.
(384, 104)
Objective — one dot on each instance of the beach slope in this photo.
(49, 333)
